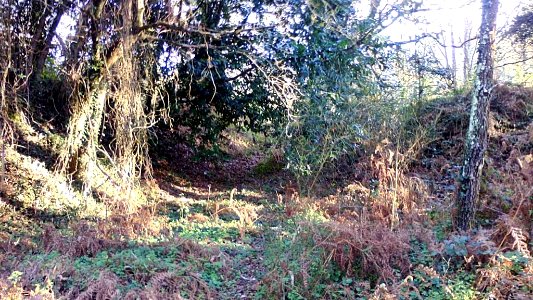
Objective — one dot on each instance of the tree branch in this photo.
(455, 46)
(198, 30)
(429, 35)
(514, 62)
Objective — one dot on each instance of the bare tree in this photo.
(454, 62)
(467, 53)
(477, 135)
(5, 65)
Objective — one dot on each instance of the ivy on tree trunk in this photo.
(477, 135)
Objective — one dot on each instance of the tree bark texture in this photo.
(89, 108)
(477, 135)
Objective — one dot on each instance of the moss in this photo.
(268, 166)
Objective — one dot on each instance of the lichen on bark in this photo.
(477, 135)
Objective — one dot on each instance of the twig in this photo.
(514, 62)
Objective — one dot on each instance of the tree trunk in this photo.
(477, 136)
(83, 139)
(42, 54)
(454, 62)
(467, 61)
(88, 109)
(84, 126)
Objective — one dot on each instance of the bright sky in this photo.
(443, 15)
(446, 16)
(453, 14)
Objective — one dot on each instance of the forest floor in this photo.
(236, 227)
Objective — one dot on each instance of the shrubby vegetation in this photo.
(253, 149)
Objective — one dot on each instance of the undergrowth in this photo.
(241, 227)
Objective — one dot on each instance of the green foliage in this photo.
(456, 246)
(420, 254)
(137, 260)
(346, 96)
(212, 273)
(137, 264)
(323, 133)
(268, 166)
(224, 79)
(460, 287)
(335, 75)
(518, 259)
(208, 232)
(300, 270)
(521, 28)
(443, 228)
(51, 70)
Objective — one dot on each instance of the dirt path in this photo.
(236, 190)
(248, 269)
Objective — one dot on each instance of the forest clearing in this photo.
(291, 149)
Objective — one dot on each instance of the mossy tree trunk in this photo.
(110, 78)
(89, 102)
(477, 135)
(88, 108)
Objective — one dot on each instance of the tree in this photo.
(467, 53)
(339, 59)
(477, 135)
(207, 58)
(522, 26)
(104, 52)
(228, 81)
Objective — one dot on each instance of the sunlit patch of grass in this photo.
(136, 267)
(232, 209)
(36, 187)
(15, 224)
(246, 193)
(243, 143)
(223, 220)
(208, 233)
